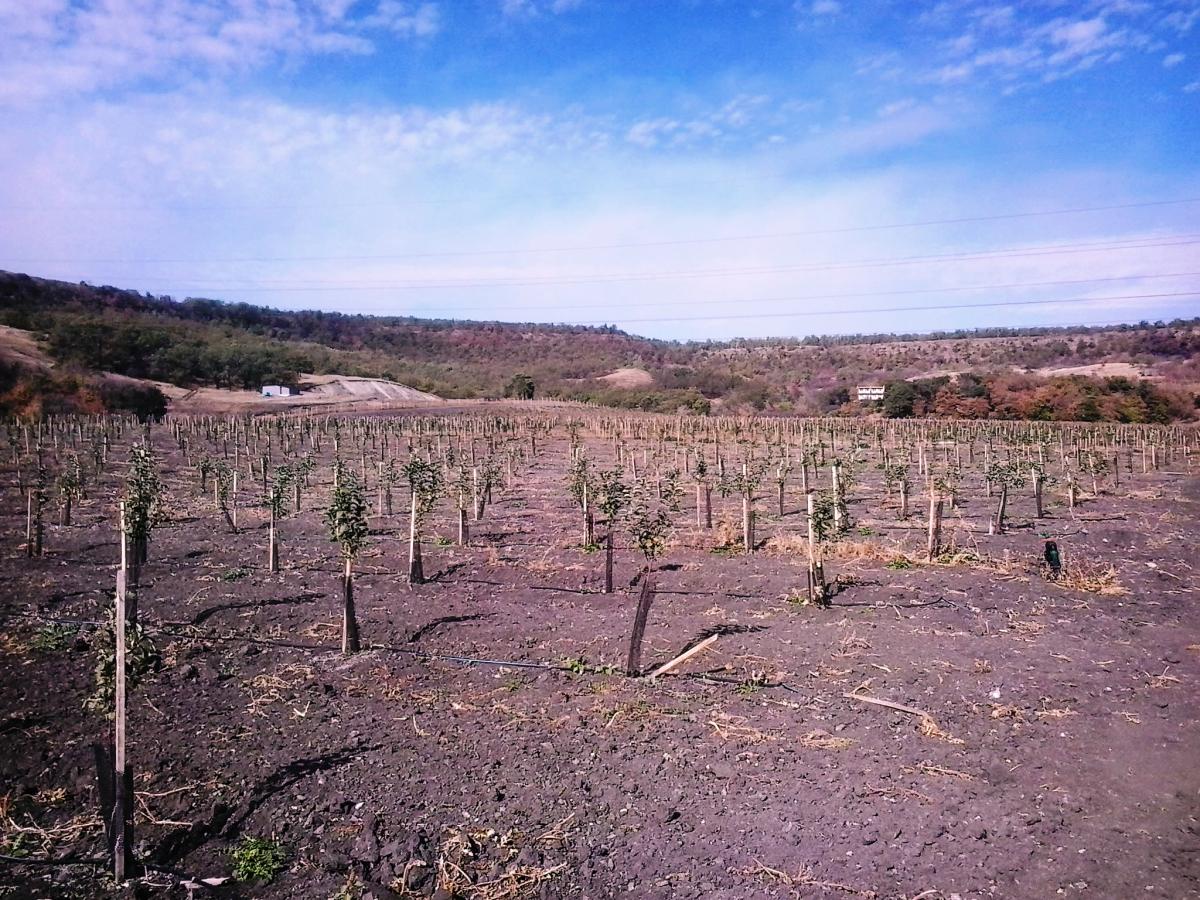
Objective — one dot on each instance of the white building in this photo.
(278, 390)
(870, 393)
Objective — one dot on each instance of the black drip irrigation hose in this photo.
(187, 630)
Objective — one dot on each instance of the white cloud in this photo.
(529, 9)
(404, 19)
(259, 195)
(1011, 45)
(1173, 59)
(54, 48)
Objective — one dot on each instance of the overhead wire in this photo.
(672, 242)
(1187, 239)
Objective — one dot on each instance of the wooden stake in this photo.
(633, 664)
(608, 560)
(122, 821)
(935, 526)
(272, 546)
(416, 574)
(349, 620)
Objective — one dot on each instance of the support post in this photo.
(349, 620)
(935, 526)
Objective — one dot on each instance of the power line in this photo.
(557, 307)
(531, 281)
(578, 248)
(887, 309)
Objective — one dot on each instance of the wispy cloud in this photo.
(54, 48)
(529, 9)
(1014, 46)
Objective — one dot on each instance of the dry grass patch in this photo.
(926, 768)
(480, 865)
(844, 550)
(823, 740)
(804, 877)
(1091, 578)
(1161, 681)
(735, 728)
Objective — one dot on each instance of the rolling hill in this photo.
(62, 342)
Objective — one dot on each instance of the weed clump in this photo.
(257, 860)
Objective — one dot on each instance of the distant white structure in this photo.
(870, 393)
(278, 390)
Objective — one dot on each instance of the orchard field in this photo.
(439, 656)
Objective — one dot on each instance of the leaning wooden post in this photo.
(935, 526)
(997, 523)
(633, 665)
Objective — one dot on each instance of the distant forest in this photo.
(195, 342)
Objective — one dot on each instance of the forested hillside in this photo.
(1004, 374)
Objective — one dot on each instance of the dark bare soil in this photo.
(1063, 758)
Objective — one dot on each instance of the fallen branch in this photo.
(928, 725)
(899, 707)
(684, 656)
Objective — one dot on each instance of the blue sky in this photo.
(697, 169)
